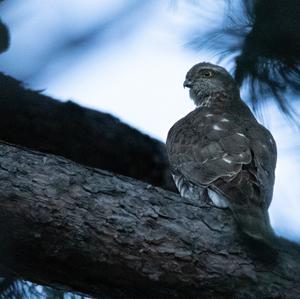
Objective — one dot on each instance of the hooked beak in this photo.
(187, 83)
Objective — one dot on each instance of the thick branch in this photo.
(98, 233)
(89, 137)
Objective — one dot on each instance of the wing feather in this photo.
(209, 150)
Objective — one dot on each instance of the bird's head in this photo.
(206, 80)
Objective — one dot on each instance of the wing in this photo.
(213, 150)
(205, 147)
(234, 159)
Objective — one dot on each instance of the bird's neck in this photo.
(222, 101)
(218, 98)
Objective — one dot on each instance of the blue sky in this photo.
(133, 66)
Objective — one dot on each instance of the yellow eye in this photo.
(207, 74)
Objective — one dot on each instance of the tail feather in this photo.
(256, 225)
(259, 236)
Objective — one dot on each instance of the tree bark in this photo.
(108, 235)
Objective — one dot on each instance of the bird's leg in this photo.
(188, 190)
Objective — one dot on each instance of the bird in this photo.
(220, 153)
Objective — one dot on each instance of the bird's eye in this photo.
(207, 74)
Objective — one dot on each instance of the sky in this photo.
(131, 61)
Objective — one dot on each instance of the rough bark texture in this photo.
(102, 234)
(86, 136)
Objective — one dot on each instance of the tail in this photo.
(258, 235)
(255, 225)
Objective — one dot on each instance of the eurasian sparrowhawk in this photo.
(220, 152)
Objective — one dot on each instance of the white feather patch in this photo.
(225, 120)
(217, 128)
(227, 160)
(217, 199)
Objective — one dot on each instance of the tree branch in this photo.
(89, 137)
(103, 234)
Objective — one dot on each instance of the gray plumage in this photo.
(220, 152)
